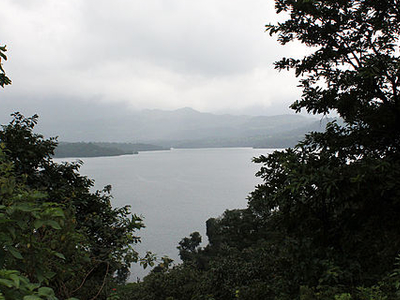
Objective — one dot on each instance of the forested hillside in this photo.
(86, 150)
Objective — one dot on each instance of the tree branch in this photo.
(83, 282)
(104, 282)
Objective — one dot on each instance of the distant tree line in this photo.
(96, 149)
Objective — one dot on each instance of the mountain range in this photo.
(188, 128)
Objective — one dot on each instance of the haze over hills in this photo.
(189, 128)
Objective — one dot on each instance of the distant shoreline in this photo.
(75, 155)
(96, 149)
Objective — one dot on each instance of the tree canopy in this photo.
(58, 234)
(354, 68)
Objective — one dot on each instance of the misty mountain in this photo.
(188, 124)
(188, 128)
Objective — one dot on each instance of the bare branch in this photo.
(104, 282)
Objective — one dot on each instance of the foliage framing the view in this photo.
(59, 239)
(324, 224)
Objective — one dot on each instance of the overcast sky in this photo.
(211, 55)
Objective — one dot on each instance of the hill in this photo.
(85, 150)
(187, 128)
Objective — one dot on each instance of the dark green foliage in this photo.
(354, 68)
(234, 228)
(177, 283)
(31, 233)
(28, 151)
(4, 80)
(188, 247)
(71, 239)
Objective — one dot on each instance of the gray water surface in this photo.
(176, 191)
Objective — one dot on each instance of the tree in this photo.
(4, 80)
(189, 247)
(49, 206)
(28, 229)
(94, 238)
(337, 193)
(354, 68)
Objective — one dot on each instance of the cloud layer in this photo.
(210, 55)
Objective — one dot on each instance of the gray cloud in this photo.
(210, 55)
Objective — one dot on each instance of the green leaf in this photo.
(53, 224)
(12, 232)
(23, 207)
(14, 252)
(7, 283)
(38, 223)
(32, 297)
(57, 212)
(39, 275)
(32, 286)
(49, 274)
(38, 195)
(21, 224)
(46, 291)
(60, 255)
(16, 279)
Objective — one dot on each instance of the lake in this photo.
(176, 191)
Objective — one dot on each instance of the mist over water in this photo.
(176, 191)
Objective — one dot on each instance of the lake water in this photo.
(176, 191)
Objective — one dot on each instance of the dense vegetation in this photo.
(325, 223)
(58, 239)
